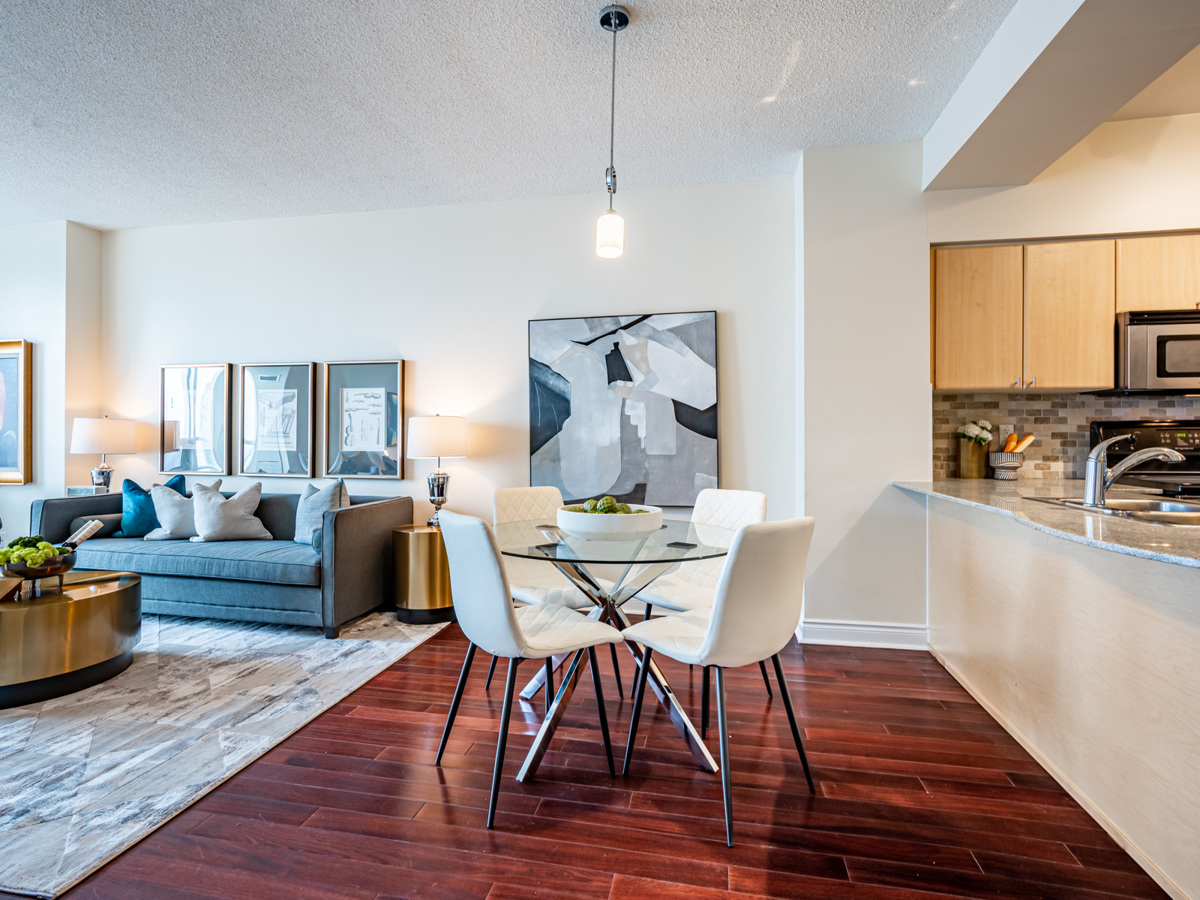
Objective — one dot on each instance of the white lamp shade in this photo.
(435, 436)
(104, 436)
(610, 235)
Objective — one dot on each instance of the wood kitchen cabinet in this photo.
(1069, 308)
(1024, 316)
(978, 317)
(1160, 272)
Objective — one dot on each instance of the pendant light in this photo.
(610, 227)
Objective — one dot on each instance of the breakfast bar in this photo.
(1080, 633)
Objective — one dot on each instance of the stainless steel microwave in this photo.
(1158, 350)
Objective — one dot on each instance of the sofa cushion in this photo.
(311, 508)
(228, 518)
(176, 519)
(278, 513)
(279, 562)
(137, 507)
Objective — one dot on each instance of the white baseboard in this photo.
(864, 634)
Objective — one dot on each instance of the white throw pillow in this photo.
(175, 513)
(232, 519)
(312, 505)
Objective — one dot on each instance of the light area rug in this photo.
(85, 776)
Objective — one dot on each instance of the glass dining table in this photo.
(639, 562)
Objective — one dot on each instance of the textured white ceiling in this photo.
(127, 113)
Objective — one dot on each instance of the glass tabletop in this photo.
(677, 540)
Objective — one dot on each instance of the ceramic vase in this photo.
(972, 459)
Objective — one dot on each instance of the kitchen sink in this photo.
(1151, 510)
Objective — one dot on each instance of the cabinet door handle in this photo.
(1016, 383)
(1032, 383)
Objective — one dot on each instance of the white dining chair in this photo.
(691, 587)
(754, 615)
(485, 612)
(532, 581)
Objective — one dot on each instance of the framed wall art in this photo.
(364, 406)
(624, 405)
(194, 420)
(277, 419)
(16, 412)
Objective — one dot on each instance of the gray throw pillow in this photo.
(232, 519)
(176, 521)
(311, 508)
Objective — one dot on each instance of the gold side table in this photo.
(61, 641)
(422, 575)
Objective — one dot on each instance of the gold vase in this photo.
(972, 459)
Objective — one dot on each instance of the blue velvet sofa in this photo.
(344, 574)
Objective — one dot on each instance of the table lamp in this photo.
(434, 437)
(103, 436)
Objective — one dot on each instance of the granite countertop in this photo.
(1176, 544)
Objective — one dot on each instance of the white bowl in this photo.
(610, 526)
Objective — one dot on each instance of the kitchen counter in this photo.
(1175, 544)
(1080, 634)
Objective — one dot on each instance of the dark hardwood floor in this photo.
(920, 794)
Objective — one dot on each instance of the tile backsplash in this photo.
(1060, 422)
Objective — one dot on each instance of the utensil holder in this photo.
(1005, 465)
(972, 459)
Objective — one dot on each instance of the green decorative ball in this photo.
(590, 506)
(607, 505)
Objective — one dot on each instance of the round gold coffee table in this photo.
(63, 641)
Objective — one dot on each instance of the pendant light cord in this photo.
(612, 119)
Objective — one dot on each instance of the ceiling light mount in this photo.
(614, 12)
(610, 227)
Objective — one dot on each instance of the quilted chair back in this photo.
(759, 596)
(481, 597)
(732, 510)
(524, 503)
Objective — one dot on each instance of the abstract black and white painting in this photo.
(624, 405)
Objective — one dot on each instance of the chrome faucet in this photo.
(1100, 477)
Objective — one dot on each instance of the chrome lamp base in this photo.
(102, 475)
(438, 481)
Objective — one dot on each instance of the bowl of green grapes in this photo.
(34, 557)
(606, 519)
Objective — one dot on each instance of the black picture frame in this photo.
(615, 374)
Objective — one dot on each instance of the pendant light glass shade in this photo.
(610, 235)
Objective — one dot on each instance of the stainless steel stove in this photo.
(1181, 479)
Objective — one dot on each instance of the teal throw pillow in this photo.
(137, 507)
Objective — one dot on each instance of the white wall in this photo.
(866, 404)
(83, 361)
(451, 289)
(33, 308)
(1135, 175)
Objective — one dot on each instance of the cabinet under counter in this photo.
(1086, 648)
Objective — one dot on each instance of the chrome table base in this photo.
(608, 609)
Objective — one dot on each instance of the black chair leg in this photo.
(726, 783)
(458, 692)
(706, 677)
(510, 688)
(649, 610)
(617, 670)
(787, 704)
(549, 688)
(603, 712)
(762, 666)
(487, 685)
(639, 693)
